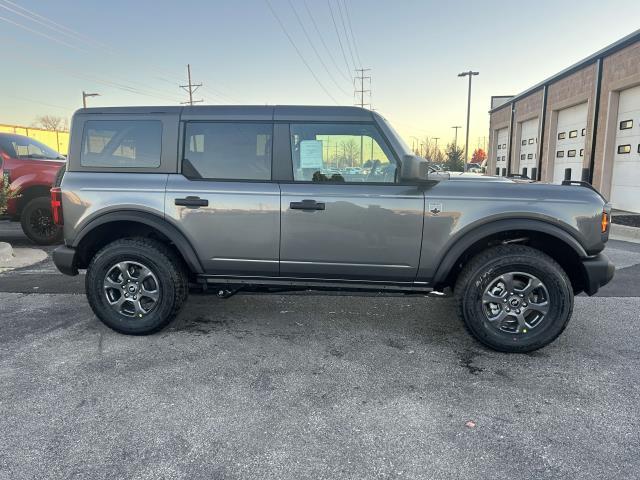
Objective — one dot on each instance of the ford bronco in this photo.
(156, 200)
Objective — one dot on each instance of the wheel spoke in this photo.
(522, 323)
(124, 270)
(507, 278)
(533, 284)
(118, 303)
(499, 317)
(489, 297)
(109, 283)
(139, 308)
(143, 274)
(152, 294)
(542, 308)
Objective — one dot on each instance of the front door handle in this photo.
(306, 205)
(192, 202)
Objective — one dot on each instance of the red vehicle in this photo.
(30, 168)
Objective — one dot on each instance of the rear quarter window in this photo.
(121, 143)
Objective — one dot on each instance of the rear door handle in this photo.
(192, 202)
(306, 205)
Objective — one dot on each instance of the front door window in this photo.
(340, 153)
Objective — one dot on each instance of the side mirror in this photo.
(414, 169)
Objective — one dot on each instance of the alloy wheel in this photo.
(515, 302)
(131, 289)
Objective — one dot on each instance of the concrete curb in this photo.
(624, 233)
(6, 252)
(22, 257)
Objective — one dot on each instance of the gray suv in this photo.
(158, 200)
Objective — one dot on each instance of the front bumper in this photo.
(598, 271)
(64, 259)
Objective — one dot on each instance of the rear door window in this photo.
(122, 143)
(227, 151)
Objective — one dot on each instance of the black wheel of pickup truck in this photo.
(37, 222)
(514, 298)
(136, 286)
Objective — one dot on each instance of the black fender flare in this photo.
(154, 221)
(468, 238)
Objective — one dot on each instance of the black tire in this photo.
(37, 222)
(481, 279)
(168, 273)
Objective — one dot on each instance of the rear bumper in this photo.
(64, 259)
(598, 271)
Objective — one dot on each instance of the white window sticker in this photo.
(311, 154)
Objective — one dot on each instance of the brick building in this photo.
(589, 116)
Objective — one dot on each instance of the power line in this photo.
(132, 89)
(42, 34)
(295, 12)
(190, 88)
(47, 22)
(333, 60)
(353, 37)
(335, 26)
(82, 75)
(346, 35)
(77, 36)
(293, 44)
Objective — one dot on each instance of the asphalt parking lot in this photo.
(312, 386)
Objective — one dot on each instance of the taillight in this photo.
(604, 223)
(56, 205)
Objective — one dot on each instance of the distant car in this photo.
(474, 168)
(30, 168)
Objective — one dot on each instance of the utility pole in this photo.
(414, 143)
(85, 95)
(455, 139)
(190, 88)
(435, 149)
(361, 92)
(469, 74)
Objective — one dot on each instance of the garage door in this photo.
(501, 155)
(528, 148)
(625, 184)
(570, 136)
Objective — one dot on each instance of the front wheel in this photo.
(136, 286)
(514, 298)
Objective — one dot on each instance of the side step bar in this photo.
(314, 284)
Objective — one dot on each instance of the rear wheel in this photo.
(37, 222)
(136, 286)
(513, 298)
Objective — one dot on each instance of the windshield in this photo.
(19, 146)
(398, 139)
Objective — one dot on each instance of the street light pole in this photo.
(84, 97)
(469, 74)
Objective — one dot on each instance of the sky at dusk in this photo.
(135, 53)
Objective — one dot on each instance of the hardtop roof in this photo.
(275, 112)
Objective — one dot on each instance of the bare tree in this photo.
(432, 151)
(350, 152)
(50, 122)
